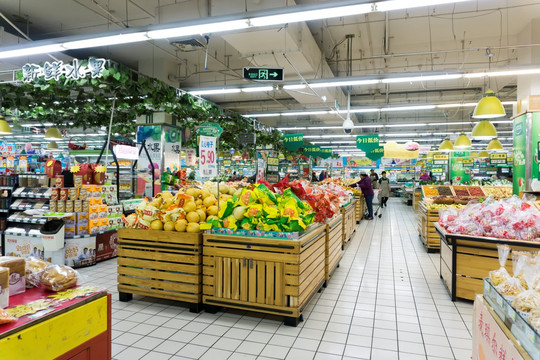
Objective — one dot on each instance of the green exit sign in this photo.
(263, 74)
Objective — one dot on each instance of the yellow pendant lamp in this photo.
(473, 155)
(484, 130)
(52, 145)
(446, 145)
(495, 144)
(4, 127)
(462, 141)
(483, 154)
(237, 155)
(489, 107)
(53, 134)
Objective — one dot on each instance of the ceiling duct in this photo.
(187, 45)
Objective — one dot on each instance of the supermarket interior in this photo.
(262, 179)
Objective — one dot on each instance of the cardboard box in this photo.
(102, 211)
(93, 211)
(106, 244)
(23, 246)
(94, 225)
(81, 251)
(17, 273)
(69, 231)
(82, 228)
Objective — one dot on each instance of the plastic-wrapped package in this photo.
(34, 269)
(59, 277)
(5, 318)
(4, 287)
(498, 276)
(526, 301)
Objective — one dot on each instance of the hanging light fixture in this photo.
(5, 129)
(52, 145)
(495, 144)
(462, 141)
(446, 145)
(473, 155)
(483, 154)
(53, 134)
(489, 107)
(484, 130)
(237, 155)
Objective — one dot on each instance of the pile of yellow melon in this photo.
(182, 212)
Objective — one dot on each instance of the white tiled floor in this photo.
(386, 301)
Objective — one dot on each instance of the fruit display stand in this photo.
(334, 245)
(466, 260)
(162, 264)
(72, 329)
(349, 221)
(360, 207)
(269, 275)
(417, 197)
(426, 229)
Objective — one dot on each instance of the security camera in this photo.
(348, 126)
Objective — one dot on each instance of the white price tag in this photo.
(499, 300)
(511, 312)
(530, 334)
(207, 156)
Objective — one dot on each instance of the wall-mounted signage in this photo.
(54, 70)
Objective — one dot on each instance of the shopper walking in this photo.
(374, 178)
(314, 177)
(365, 185)
(322, 175)
(384, 186)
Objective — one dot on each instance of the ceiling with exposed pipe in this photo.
(462, 38)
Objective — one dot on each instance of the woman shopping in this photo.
(384, 186)
(365, 185)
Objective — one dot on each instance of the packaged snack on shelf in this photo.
(17, 273)
(104, 224)
(94, 226)
(53, 205)
(73, 193)
(59, 277)
(498, 276)
(95, 201)
(6, 318)
(34, 269)
(83, 192)
(55, 194)
(59, 181)
(69, 206)
(61, 206)
(4, 287)
(82, 227)
(102, 211)
(64, 194)
(82, 216)
(93, 211)
(77, 206)
(69, 231)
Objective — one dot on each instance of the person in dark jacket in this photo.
(322, 175)
(314, 177)
(365, 185)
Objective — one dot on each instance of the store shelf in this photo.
(6, 187)
(4, 210)
(27, 207)
(28, 220)
(29, 193)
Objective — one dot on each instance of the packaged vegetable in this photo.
(498, 276)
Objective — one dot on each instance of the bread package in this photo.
(34, 269)
(17, 271)
(4, 287)
(5, 317)
(59, 277)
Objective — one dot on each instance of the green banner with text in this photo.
(312, 150)
(367, 142)
(376, 153)
(326, 153)
(293, 141)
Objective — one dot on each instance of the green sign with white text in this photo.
(312, 150)
(326, 153)
(367, 142)
(376, 153)
(293, 141)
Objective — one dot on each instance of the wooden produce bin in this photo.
(271, 276)
(73, 329)
(360, 207)
(426, 228)
(334, 245)
(466, 260)
(162, 264)
(349, 221)
(417, 197)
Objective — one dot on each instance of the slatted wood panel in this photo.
(264, 275)
(349, 221)
(417, 197)
(334, 245)
(162, 264)
(360, 207)
(426, 218)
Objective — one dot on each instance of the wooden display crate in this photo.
(417, 197)
(162, 264)
(466, 260)
(426, 217)
(349, 222)
(360, 207)
(271, 276)
(334, 245)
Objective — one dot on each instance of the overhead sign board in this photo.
(497, 159)
(54, 70)
(263, 74)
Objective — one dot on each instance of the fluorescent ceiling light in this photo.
(294, 87)
(257, 88)
(299, 113)
(343, 83)
(106, 41)
(215, 91)
(450, 123)
(421, 78)
(399, 134)
(360, 110)
(199, 29)
(405, 125)
(261, 115)
(292, 128)
(408, 108)
(35, 50)
(442, 106)
(408, 4)
(504, 73)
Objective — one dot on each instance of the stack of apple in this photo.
(182, 212)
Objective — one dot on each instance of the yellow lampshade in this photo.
(495, 144)
(462, 141)
(473, 155)
(489, 107)
(484, 130)
(446, 145)
(281, 156)
(52, 145)
(53, 134)
(237, 155)
(4, 127)
(483, 154)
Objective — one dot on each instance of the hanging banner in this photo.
(497, 159)
(458, 173)
(520, 153)
(207, 156)
(293, 141)
(326, 153)
(191, 159)
(367, 142)
(376, 153)
(312, 150)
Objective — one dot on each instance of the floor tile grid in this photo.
(438, 293)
